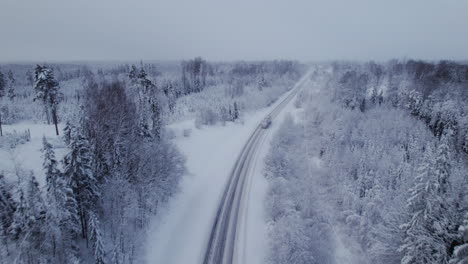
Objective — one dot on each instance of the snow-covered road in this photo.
(218, 216)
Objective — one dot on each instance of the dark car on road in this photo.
(266, 122)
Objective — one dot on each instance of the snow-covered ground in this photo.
(180, 236)
(28, 156)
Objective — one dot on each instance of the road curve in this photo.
(221, 247)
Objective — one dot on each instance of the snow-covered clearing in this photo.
(28, 156)
(180, 235)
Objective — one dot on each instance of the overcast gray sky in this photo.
(51, 30)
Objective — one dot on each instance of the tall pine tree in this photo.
(28, 223)
(427, 230)
(47, 91)
(61, 217)
(11, 86)
(2, 84)
(460, 255)
(78, 172)
(7, 210)
(442, 165)
(97, 239)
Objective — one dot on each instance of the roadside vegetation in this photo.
(374, 170)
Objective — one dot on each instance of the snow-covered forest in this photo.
(372, 167)
(86, 155)
(233, 132)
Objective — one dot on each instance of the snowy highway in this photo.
(225, 244)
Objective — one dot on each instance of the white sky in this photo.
(60, 30)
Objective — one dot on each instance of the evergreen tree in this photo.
(20, 217)
(155, 116)
(146, 84)
(133, 74)
(47, 91)
(116, 255)
(97, 239)
(427, 230)
(460, 255)
(35, 236)
(28, 222)
(34, 197)
(68, 132)
(11, 86)
(78, 172)
(61, 216)
(148, 100)
(7, 204)
(442, 165)
(7, 210)
(2, 84)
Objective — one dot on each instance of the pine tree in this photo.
(2, 85)
(460, 254)
(156, 117)
(68, 132)
(11, 86)
(442, 165)
(133, 74)
(61, 216)
(97, 239)
(34, 197)
(146, 84)
(29, 221)
(7, 210)
(47, 91)
(427, 230)
(78, 172)
(142, 74)
(148, 99)
(20, 217)
(116, 256)
(7, 204)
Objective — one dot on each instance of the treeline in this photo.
(99, 199)
(436, 93)
(363, 177)
(223, 91)
(183, 85)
